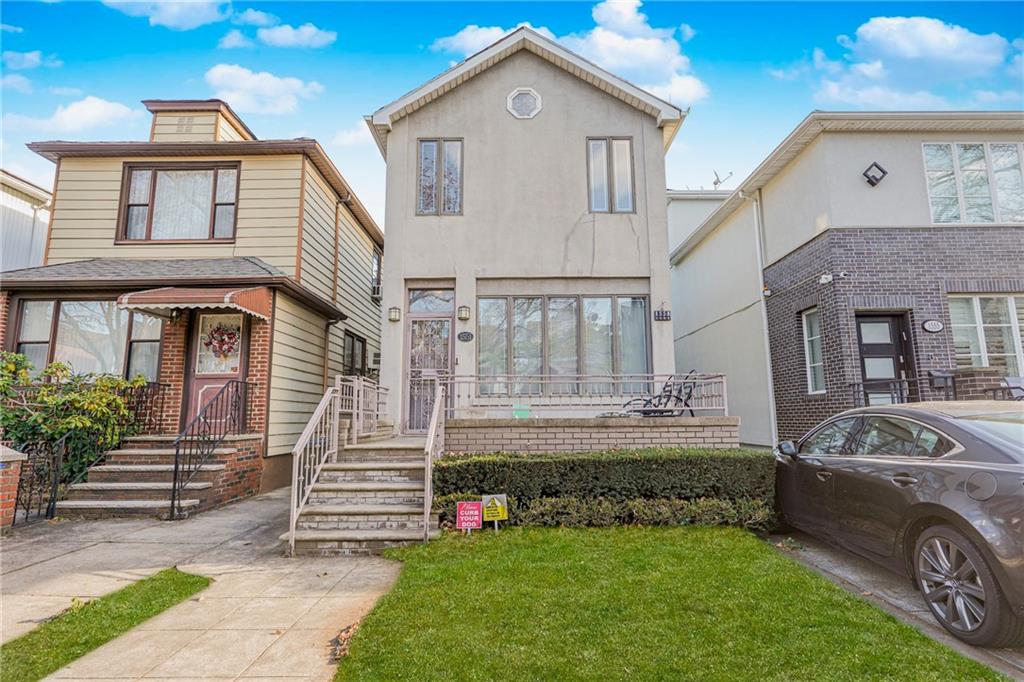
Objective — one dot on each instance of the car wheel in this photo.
(961, 592)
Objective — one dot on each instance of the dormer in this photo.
(195, 120)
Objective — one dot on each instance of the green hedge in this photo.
(572, 512)
(655, 486)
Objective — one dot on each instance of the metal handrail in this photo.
(431, 451)
(39, 480)
(317, 444)
(365, 401)
(226, 413)
(904, 390)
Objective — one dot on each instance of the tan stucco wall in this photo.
(525, 200)
(796, 202)
(686, 215)
(88, 190)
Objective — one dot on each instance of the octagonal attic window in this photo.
(524, 103)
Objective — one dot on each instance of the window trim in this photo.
(18, 307)
(997, 218)
(807, 355)
(544, 341)
(439, 176)
(121, 236)
(1016, 325)
(609, 154)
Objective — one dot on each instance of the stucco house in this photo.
(24, 219)
(864, 259)
(527, 233)
(237, 275)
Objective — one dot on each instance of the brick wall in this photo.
(173, 349)
(910, 270)
(258, 372)
(242, 473)
(10, 472)
(5, 304)
(581, 435)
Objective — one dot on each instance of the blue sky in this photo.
(749, 71)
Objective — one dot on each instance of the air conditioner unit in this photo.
(375, 292)
(376, 359)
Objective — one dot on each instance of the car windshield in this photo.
(1007, 429)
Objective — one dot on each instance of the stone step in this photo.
(373, 476)
(93, 509)
(133, 490)
(363, 517)
(154, 455)
(354, 542)
(368, 497)
(356, 453)
(373, 466)
(147, 473)
(362, 509)
(368, 486)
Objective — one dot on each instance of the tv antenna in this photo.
(718, 181)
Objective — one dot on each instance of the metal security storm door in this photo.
(429, 351)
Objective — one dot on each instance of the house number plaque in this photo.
(933, 326)
(465, 336)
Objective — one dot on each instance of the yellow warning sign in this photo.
(495, 508)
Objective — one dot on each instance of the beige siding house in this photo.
(158, 250)
(24, 218)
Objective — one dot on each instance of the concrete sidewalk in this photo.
(265, 615)
(895, 594)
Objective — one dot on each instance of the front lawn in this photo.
(630, 603)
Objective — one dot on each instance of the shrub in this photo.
(655, 473)
(91, 407)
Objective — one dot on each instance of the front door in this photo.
(882, 340)
(218, 356)
(429, 352)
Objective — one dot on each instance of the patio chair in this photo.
(672, 401)
(1010, 388)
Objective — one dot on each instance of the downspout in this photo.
(759, 248)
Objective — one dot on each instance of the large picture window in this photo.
(553, 336)
(90, 336)
(170, 202)
(439, 177)
(975, 182)
(988, 331)
(610, 175)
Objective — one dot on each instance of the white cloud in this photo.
(254, 17)
(872, 70)
(306, 35)
(259, 92)
(28, 60)
(175, 14)
(622, 41)
(10, 28)
(84, 114)
(17, 83)
(877, 96)
(65, 91)
(990, 97)
(232, 39)
(358, 134)
(788, 73)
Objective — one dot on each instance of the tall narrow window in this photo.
(813, 358)
(439, 188)
(527, 358)
(597, 336)
(974, 182)
(610, 175)
(184, 204)
(492, 322)
(632, 335)
(34, 337)
(144, 347)
(1006, 172)
(563, 359)
(354, 355)
(375, 274)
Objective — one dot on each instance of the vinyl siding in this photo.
(296, 373)
(318, 236)
(88, 191)
(22, 230)
(227, 132)
(184, 126)
(364, 314)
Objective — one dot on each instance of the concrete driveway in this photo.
(895, 594)
(265, 615)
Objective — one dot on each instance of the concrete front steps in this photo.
(369, 500)
(136, 480)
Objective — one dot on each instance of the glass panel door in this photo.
(429, 359)
(883, 362)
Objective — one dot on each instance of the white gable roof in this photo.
(668, 117)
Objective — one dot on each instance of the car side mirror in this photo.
(788, 448)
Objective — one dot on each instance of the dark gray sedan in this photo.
(932, 490)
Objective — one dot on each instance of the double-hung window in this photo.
(179, 202)
(975, 182)
(90, 336)
(814, 361)
(610, 175)
(988, 331)
(439, 177)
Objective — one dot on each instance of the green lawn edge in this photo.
(80, 629)
(681, 603)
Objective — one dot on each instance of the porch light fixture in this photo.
(394, 314)
(464, 312)
(874, 173)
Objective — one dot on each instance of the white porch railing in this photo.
(364, 401)
(317, 445)
(432, 451)
(507, 396)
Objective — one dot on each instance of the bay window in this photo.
(988, 331)
(560, 336)
(173, 202)
(90, 336)
(975, 182)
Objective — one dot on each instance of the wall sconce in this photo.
(874, 173)
(394, 314)
(464, 312)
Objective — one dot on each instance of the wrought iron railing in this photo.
(145, 408)
(226, 414)
(431, 452)
(497, 396)
(317, 445)
(941, 386)
(39, 482)
(364, 401)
